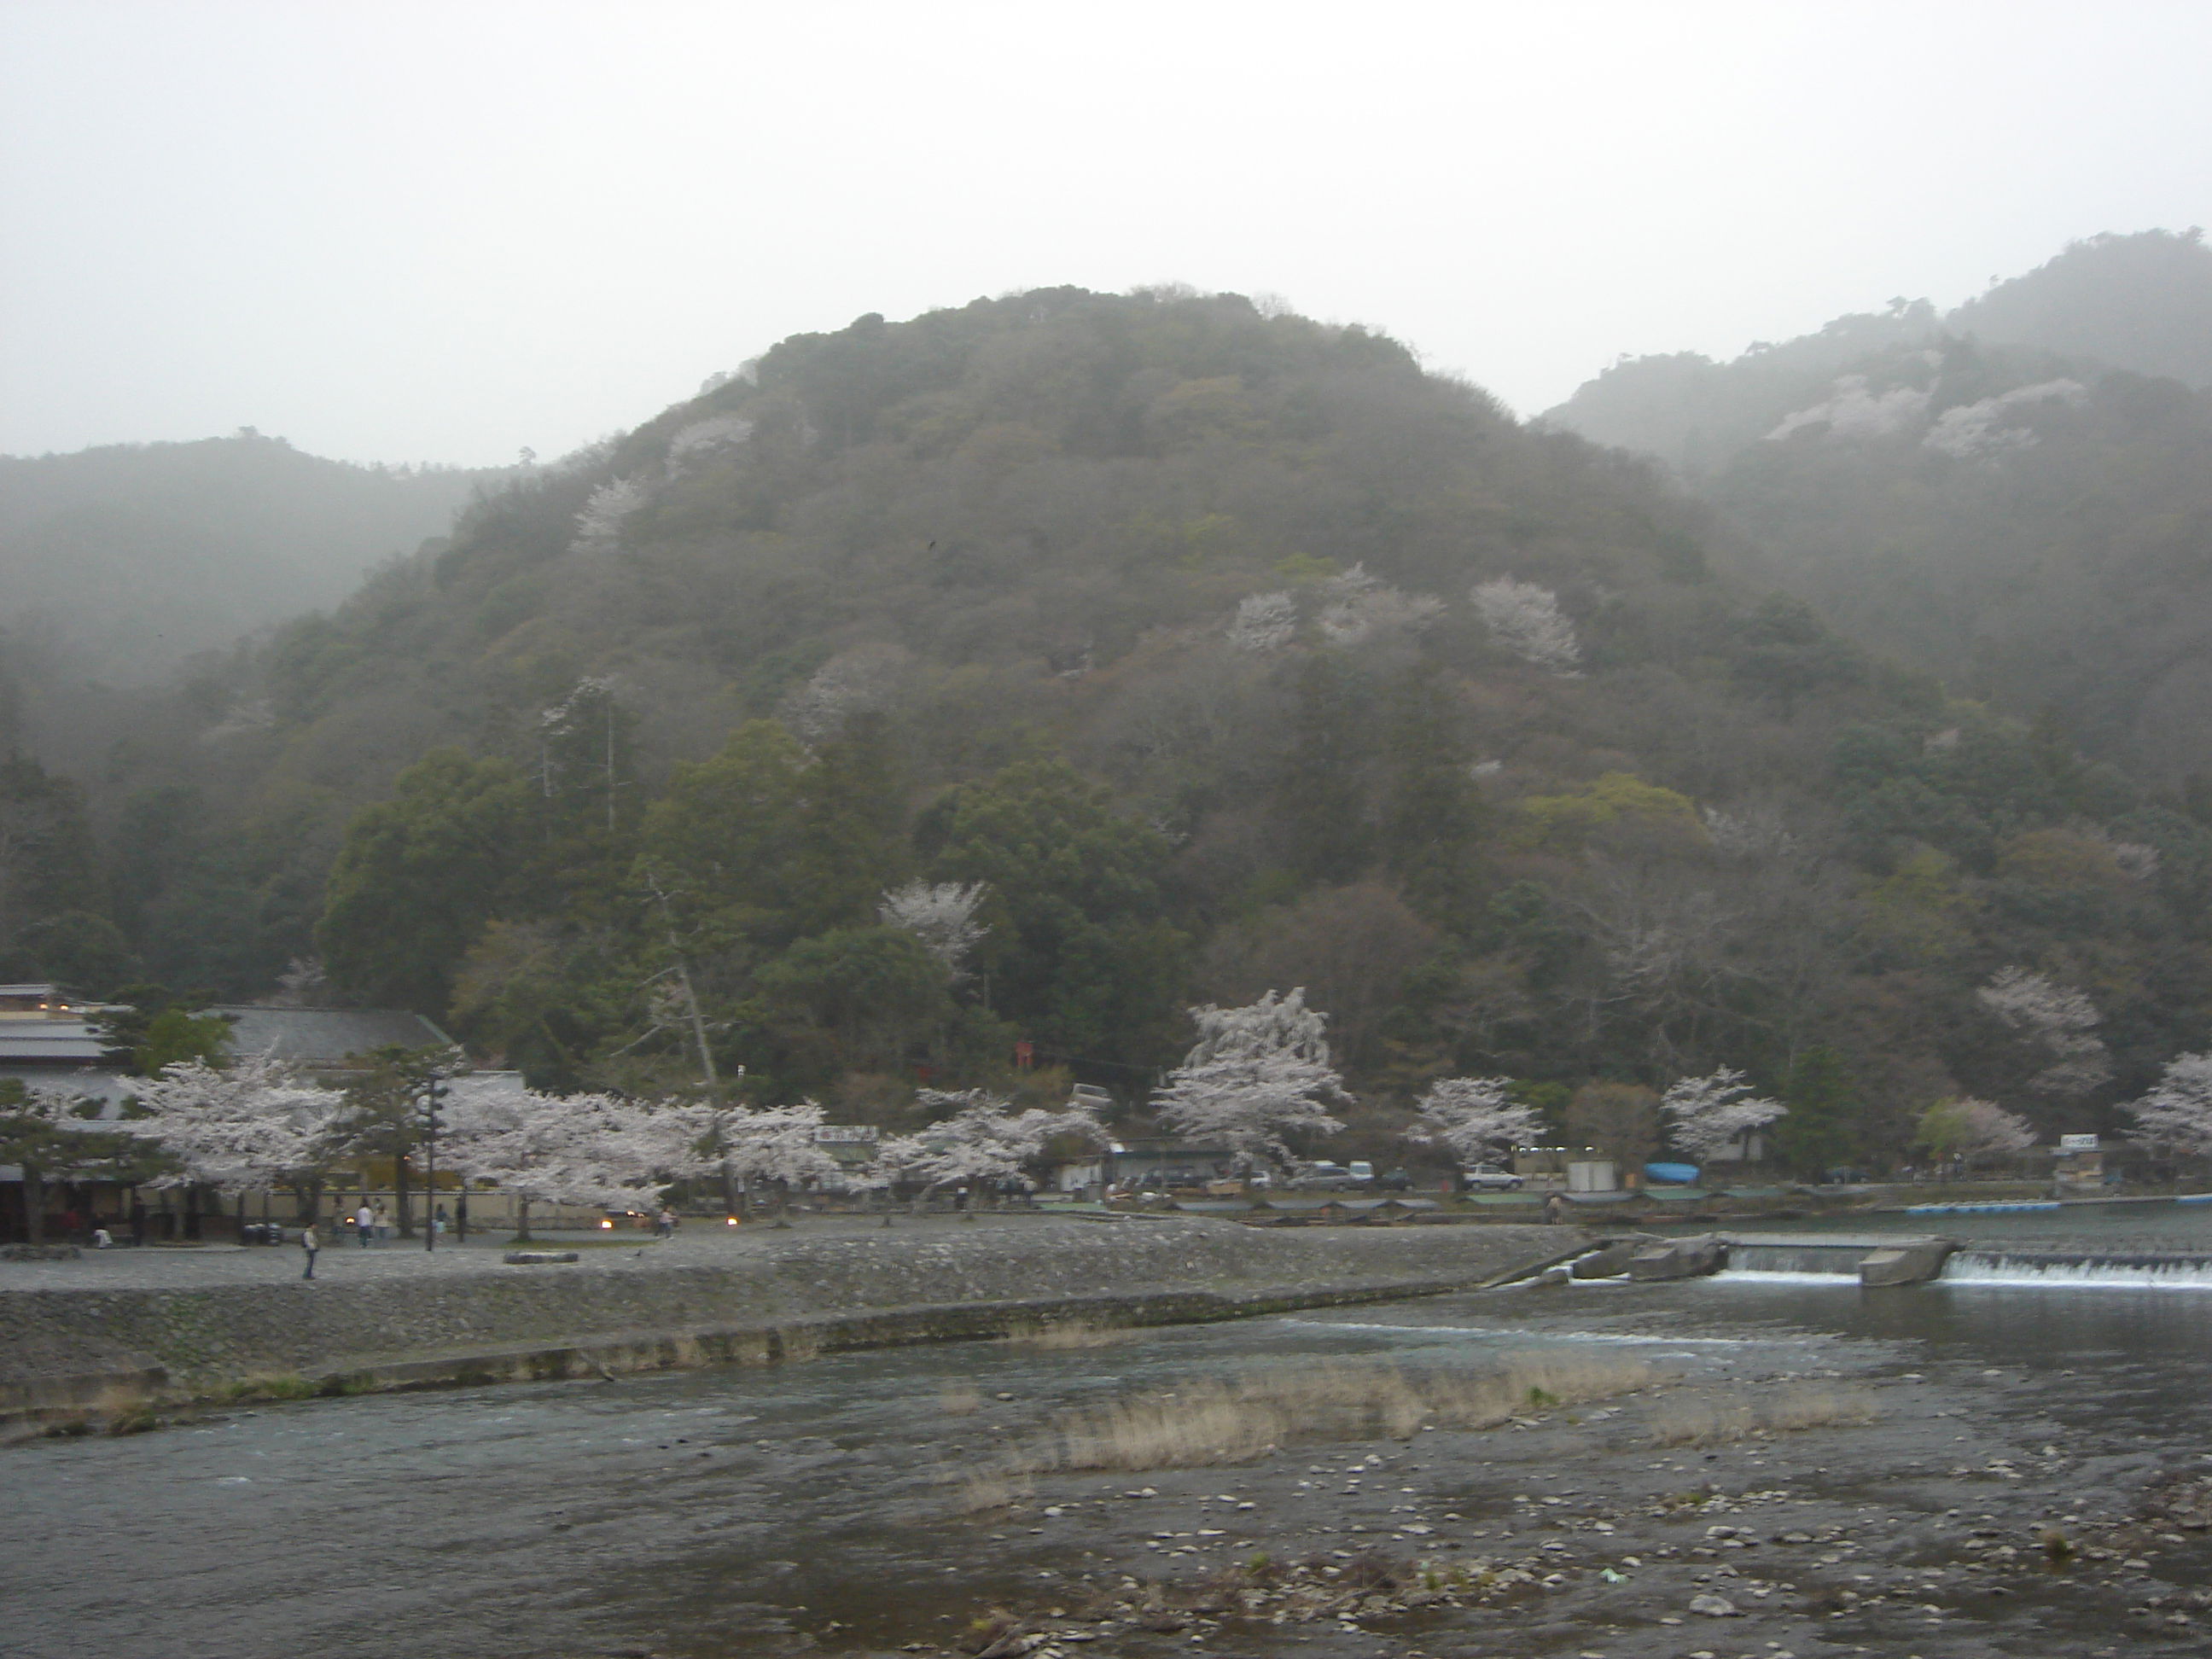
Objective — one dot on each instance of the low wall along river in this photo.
(95, 1333)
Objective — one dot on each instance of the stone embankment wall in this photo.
(63, 1349)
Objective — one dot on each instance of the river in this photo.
(738, 1511)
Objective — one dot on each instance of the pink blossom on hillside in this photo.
(1527, 620)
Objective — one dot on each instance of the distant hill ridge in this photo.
(2016, 496)
(2140, 301)
(123, 560)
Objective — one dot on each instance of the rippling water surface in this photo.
(723, 1512)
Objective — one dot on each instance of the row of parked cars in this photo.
(1360, 1176)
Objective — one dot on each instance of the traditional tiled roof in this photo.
(63, 1041)
(325, 1036)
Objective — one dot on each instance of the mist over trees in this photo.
(2013, 497)
(119, 562)
(1037, 671)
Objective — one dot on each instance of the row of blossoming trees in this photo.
(1260, 1077)
(1259, 1081)
(256, 1125)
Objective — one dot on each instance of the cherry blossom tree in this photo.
(244, 1128)
(860, 681)
(1707, 1113)
(1527, 620)
(1972, 1129)
(1259, 1074)
(599, 526)
(2059, 1021)
(941, 914)
(984, 1142)
(1357, 607)
(2178, 1112)
(773, 1144)
(1353, 607)
(700, 440)
(564, 1149)
(1473, 1118)
(1264, 623)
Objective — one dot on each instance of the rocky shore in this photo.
(1938, 1513)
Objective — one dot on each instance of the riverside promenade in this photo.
(159, 1326)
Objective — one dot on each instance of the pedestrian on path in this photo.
(311, 1241)
(364, 1223)
(383, 1222)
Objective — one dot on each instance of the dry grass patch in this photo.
(1708, 1420)
(1235, 1420)
(992, 1489)
(959, 1400)
(1816, 1407)
(1072, 1336)
(1694, 1420)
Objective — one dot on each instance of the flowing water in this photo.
(729, 1512)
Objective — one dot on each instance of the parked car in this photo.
(1489, 1178)
(1162, 1180)
(1395, 1180)
(1324, 1178)
(1361, 1171)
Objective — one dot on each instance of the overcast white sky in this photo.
(396, 231)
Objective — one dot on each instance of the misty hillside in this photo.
(2141, 302)
(2023, 517)
(1226, 650)
(119, 563)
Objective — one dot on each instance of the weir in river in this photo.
(2082, 1269)
(1905, 1259)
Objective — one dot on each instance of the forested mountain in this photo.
(2141, 302)
(1206, 650)
(2017, 498)
(117, 564)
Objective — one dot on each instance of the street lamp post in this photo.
(428, 1100)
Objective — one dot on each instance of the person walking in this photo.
(383, 1224)
(364, 1223)
(311, 1241)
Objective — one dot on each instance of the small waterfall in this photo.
(1810, 1259)
(2075, 1269)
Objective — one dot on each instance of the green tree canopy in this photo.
(419, 875)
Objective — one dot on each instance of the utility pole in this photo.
(698, 1020)
(427, 1101)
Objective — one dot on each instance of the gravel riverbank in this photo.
(1835, 1504)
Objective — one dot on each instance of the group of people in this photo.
(371, 1223)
